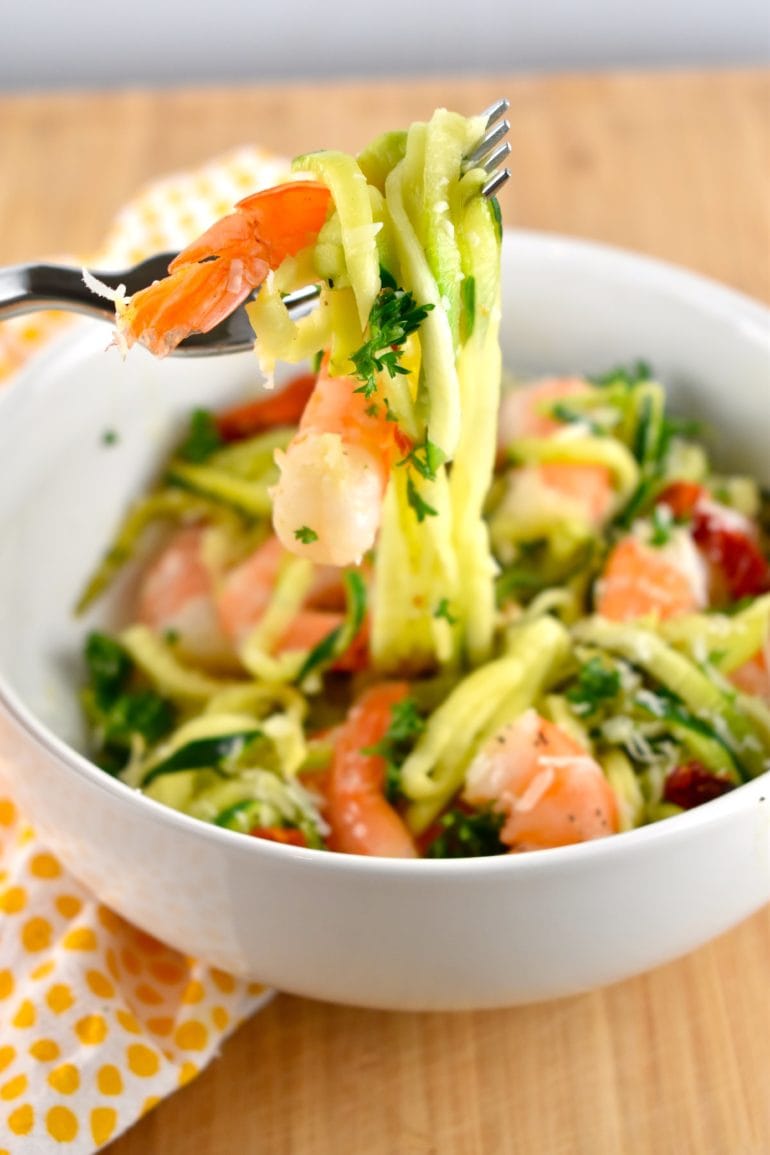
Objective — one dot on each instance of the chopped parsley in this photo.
(418, 503)
(203, 437)
(406, 725)
(442, 610)
(662, 525)
(110, 437)
(425, 458)
(464, 835)
(394, 316)
(306, 535)
(373, 410)
(596, 683)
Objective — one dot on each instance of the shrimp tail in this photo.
(217, 272)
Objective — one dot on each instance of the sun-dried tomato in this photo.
(692, 784)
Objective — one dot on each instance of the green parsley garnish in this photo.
(425, 458)
(110, 437)
(406, 725)
(203, 437)
(305, 534)
(465, 835)
(662, 524)
(418, 503)
(393, 318)
(596, 683)
(442, 610)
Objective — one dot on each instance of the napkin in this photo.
(99, 1021)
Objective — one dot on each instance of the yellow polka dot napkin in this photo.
(99, 1021)
(164, 217)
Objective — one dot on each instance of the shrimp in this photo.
(753, 677)
(176, 598)
(217, 272)
(554, 490)
(524, 411)
(210, 618)
(641, 579)
(328, 501)
(362, 820)
(549, 789)
(245, 593)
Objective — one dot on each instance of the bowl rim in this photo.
(701, 291)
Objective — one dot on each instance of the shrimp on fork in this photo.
(218, 271)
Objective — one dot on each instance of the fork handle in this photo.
(28, 288)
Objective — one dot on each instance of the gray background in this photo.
(69, 43)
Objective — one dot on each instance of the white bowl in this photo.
(375, 932)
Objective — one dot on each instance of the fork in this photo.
(31, 287)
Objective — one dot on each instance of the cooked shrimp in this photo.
(245, 593)
(524, 411)
(327, 503)
(209, 619)
(537, 496)
(753, 677)
(218, 271)
(176, 598)
(549, 789)
(558, 490)
(362, 820)
(641, 579)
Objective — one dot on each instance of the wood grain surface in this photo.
(676, 1062)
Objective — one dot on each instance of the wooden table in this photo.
(673, 1063)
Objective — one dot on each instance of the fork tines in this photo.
(492, 149)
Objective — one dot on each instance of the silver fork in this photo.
(29, 288)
